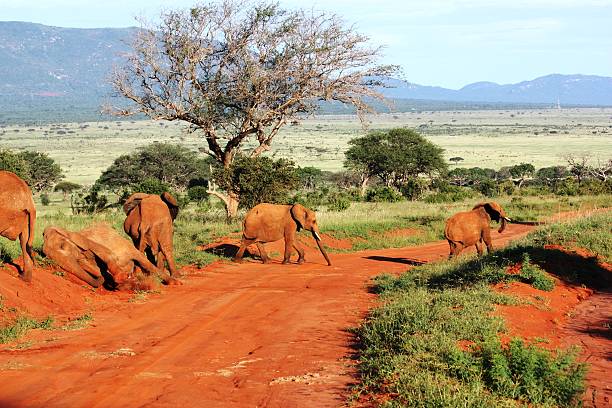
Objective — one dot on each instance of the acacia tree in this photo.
(237, 71)
(395, 156)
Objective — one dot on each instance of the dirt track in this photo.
(247, 335)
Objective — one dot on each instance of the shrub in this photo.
(413, 188)
(488, 188)
(506, 187)
(452, 194)
(44, 199)
(383, 195)
(535, 276)
(198, 193)
(151, 185)
(339, 202)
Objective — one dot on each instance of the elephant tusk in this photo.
(507, 219)
(317, 237)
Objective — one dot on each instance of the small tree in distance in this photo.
(66, 187)
(239, 70)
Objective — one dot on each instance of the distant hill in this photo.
(38, 60)
(60, 74)
(566, 89)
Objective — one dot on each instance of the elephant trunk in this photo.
(317, 238)
(503, 220)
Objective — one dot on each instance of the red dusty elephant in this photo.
(149, 223)
(17, 217)
(98, 255)
(469, 228)
(272, 222)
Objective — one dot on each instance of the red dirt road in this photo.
(247, 335)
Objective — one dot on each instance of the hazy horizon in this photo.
(449, 43)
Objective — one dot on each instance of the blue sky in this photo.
(449, 43)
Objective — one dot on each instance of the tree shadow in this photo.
(406, 261)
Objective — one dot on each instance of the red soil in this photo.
(571, 314)
(233, 335)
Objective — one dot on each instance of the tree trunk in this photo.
(231, 205)
(231, 201)
(364, 185)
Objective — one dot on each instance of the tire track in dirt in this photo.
(237, 335)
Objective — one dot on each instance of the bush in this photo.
(568, 187)
(339, 202)
(151, 185)
(535, 276)
(44, 199)
(383, 195)
(487, 188)
(452, 194)
(413, 188)
(198, 193)
(506, 187)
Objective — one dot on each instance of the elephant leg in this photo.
(167, 254)
(486, 237)
(289, 244)
(243, 244)
(28, 263)
(300, 252)
(480, 247)
(455, 249)
(262, 252)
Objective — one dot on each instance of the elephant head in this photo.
(495, 212)
(307, 219)
(134, 201)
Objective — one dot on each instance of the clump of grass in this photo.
(535, 276)
(79, 322)
(22, 325)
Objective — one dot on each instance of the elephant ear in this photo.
(298, 213)
(133, 201)
(171, 203)
(493, 209)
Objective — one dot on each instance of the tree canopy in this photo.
(395, 156)
(258, 179)
(37, 169)
(169, 164)
(237, 70)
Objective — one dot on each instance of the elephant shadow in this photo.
(406, 261)
(226, 250)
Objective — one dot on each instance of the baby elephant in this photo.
(271, 222)
(469, 228)
(97, 255)
(149, 223)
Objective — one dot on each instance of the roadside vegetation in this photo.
(435, 342)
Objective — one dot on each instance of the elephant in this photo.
(98, 255)
(149, 223)
(469, 228)
(17, 217)
(270, 222)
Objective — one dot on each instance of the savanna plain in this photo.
(391, 323)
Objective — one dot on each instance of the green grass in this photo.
(79, 322)
(410, 348)
(21, 326)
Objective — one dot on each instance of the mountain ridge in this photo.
(48, 68)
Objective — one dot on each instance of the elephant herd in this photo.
(99, 255)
